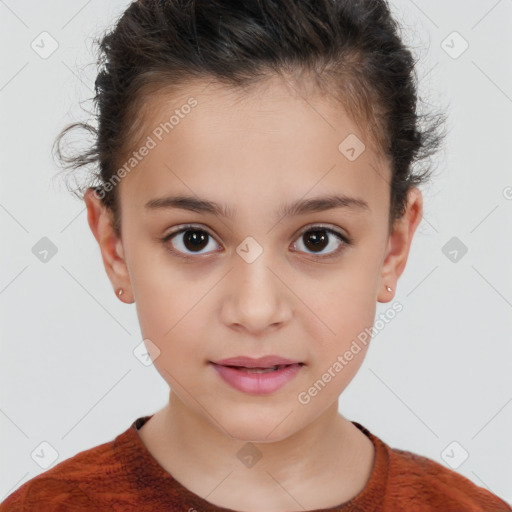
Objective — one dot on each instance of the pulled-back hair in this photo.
(350, 49)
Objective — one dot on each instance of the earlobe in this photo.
(100, 220)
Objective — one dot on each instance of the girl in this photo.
(255, 199)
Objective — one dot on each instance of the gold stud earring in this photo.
(120, 292)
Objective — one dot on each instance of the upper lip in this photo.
(260, 362)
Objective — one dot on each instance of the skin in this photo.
(253, 152)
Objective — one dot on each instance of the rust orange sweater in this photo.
(122, 475)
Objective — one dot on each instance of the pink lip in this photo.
(260, 362)
(257, 383)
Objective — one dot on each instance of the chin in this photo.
(257, 427)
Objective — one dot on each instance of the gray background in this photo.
(438, 373)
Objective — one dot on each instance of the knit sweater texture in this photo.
(122, 475)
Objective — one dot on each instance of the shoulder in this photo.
(422, 482)
(74, 482)
(403, 481)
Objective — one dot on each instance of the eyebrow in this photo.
(300, 207)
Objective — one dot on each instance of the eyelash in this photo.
(346, 241)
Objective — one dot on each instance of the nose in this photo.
(255, 300)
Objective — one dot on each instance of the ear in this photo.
(101, 221)
(399, 243)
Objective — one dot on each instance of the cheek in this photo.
(336, 364)
(343, 303)
(172, 311)
(173, 320)
(345, 311)
(183, 355)
(162, 294)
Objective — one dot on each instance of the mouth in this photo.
(252, 369)
(257, 380)
(268, 362)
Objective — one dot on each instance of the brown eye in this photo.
(190, 240)
(316, 240)
(322, 241)
(195, 240)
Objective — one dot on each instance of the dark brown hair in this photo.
(351, 49)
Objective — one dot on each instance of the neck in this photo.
(330, 457)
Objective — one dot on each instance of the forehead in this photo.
(271, 140)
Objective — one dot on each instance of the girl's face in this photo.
(255, 276)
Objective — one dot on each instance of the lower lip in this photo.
(257, 383)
